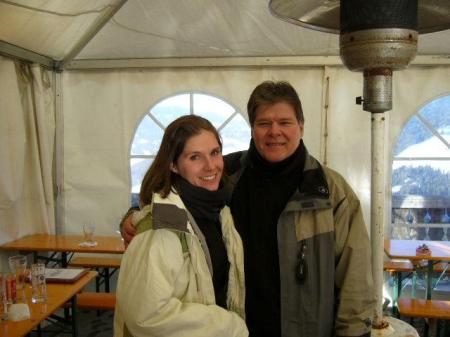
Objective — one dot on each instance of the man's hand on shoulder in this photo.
(127, 229)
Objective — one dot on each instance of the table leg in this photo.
(396, 292)
(432, 327)
(98, 279)
(74, 316)
(414, 284)
(107, 276)
(429, 279)
(64, 259)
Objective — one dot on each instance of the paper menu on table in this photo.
(64, 274)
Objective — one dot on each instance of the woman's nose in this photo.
(208, 163)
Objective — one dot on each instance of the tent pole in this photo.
(13, 51)
(95, 28)
(59, 155)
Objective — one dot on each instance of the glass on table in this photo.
(38, 284)
(2, 297)
(18, 266)
(88, 231)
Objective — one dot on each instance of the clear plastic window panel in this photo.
(235, 135)
(147, 138)
(171, 108)
(212, 108)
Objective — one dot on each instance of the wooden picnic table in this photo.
(406, 249)
(57, 295)
(64, 244)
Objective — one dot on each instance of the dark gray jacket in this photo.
(324, 217)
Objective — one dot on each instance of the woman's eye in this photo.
(194, 157)
(215, 153)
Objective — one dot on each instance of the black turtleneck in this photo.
(205, 207)
(257, 202)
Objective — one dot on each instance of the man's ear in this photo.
(173, 168)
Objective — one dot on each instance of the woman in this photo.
(182, 275)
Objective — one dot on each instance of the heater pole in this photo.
(377, 210)
(377, 100)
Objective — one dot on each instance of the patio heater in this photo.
(376, 38)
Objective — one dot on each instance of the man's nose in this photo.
(274, 129)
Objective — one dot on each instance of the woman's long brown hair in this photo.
(159, 178)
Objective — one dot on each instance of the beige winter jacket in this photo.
(165, 285)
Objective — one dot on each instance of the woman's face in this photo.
(201, 162)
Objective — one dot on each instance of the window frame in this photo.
(236, 112)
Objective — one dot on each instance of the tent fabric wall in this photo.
(96, 164)
(26, 154)
(103, 109)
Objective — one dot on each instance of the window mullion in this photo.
(156, 121)
(227, 121)
(433, 130)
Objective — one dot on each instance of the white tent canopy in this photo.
(78, 76)
(92, 33)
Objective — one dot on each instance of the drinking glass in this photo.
(88, 230)
(18, 266)
(38, 285)
(2, 297)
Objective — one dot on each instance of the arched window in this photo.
(421, 175)
(232, 126)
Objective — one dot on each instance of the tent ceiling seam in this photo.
(40, 10)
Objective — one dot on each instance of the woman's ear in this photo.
(173, 168)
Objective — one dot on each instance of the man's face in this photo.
(276, 131)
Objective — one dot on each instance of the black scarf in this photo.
(203, 203)
(258, 200)
(205, 207)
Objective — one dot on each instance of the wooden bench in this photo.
(102, 265)
(440, 267)
(398, 266)
(396, 269)
(412, 307)
(406, 266)
(433, 310)
(98, 301)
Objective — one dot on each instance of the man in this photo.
(306, 247)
